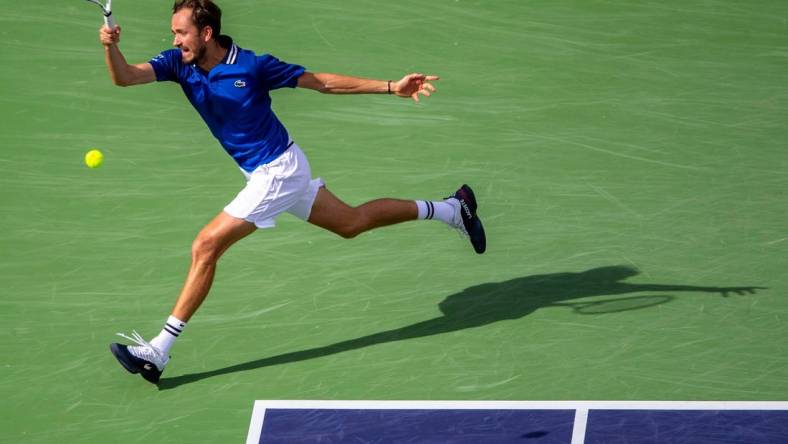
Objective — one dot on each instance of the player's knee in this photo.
(205, 248)
(348, 231)
(354, 226)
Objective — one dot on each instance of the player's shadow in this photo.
(492, 302)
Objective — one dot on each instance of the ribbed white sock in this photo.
(443, 210)
(172, 329)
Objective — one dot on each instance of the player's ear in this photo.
(206, 34)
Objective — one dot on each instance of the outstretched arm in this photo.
(409, 86)
(122, 73)
(724, 291)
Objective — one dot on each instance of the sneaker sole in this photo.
(478, 237)
(474, 226)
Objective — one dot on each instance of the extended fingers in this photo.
(419, 84)
(422, 91)
(738, 290)
(421, 76)
(426, 89)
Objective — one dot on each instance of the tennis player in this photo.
(230, 88)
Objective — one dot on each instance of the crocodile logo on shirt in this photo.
(239, 84)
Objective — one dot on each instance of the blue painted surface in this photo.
(687, 427)
(523, 426)
(417, 426)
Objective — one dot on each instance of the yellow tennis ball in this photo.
(94, 158)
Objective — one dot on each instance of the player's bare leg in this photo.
(209, 245)
(458, 211)
(331, 213)
(149, 358)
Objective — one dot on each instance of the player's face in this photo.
(187, 37)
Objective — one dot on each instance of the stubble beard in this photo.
(197, 56)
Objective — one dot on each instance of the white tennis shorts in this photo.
(283, 185)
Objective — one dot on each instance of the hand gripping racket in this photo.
(106, 9)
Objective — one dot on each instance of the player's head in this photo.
(194, 24)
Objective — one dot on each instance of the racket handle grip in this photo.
(109, 21)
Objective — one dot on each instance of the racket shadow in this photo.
(493, 302)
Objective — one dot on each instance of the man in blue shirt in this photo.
(229, 87)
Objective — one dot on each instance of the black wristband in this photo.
(389, 86)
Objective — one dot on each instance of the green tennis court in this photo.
(629, 159)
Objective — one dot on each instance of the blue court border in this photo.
(581, 409)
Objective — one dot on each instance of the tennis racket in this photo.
(106, 9)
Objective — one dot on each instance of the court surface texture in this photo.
(629, 159)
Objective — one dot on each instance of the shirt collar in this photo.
(232, 51)
(230, 56)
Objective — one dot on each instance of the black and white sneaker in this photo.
(143, 358)
(466, 221)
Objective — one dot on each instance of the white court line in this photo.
(258, 413)
(531, 405)
(579, 429)
(256, 427)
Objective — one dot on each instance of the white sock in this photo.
(443, 210)
(172, 329)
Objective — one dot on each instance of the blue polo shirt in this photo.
(233, 99)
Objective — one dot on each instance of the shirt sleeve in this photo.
(167, 65)
(275, 74)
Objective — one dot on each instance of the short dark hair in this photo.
(204, 13)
